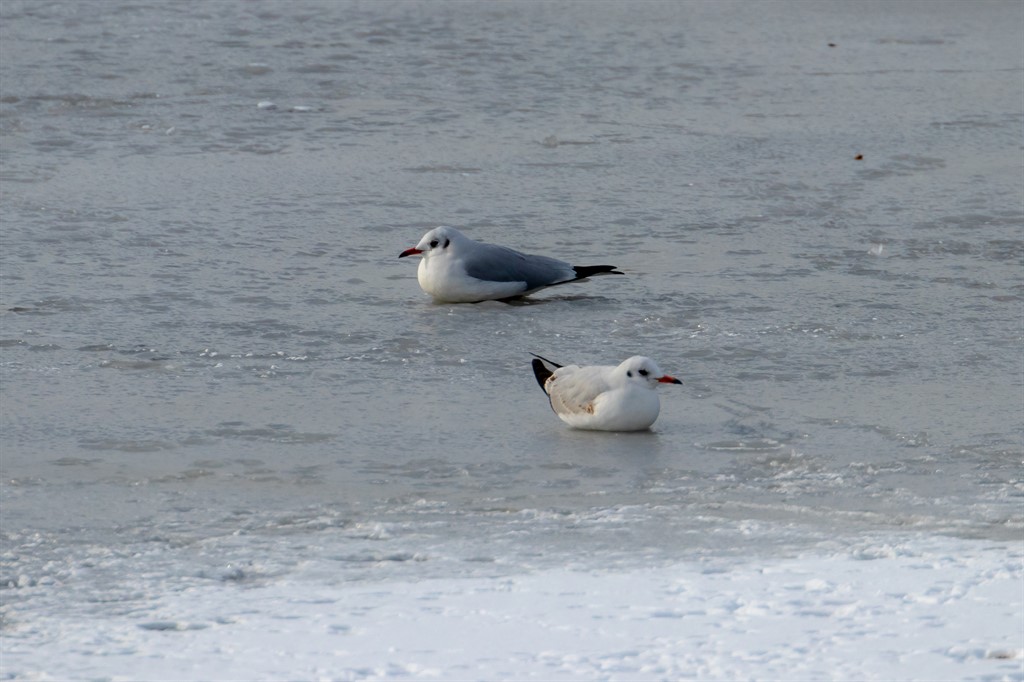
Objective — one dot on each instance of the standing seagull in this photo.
(456, 269)
(604, 398)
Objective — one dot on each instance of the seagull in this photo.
(456, 269)
(604, 398)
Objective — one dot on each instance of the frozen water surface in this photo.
(238, 442)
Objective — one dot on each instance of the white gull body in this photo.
(457, 269)
(604, 398)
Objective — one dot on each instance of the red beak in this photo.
(669, 380)
(410, 252)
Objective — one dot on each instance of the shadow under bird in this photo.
(457, 269)
(604, 397)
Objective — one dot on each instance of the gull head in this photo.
(641, 371)
(434, 243)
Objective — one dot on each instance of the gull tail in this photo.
(584, 271)
(541, 372)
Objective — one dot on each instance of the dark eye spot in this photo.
(433, 244)
(643, 372)
(629, 373)
(447, 242)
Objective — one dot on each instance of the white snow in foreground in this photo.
(931, 609)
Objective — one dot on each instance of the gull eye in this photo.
(433, 244)
(643, 372)
(629, 374)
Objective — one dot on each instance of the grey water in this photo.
(214, 366)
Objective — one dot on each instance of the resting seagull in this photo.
(456, 269)
(604, 398)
